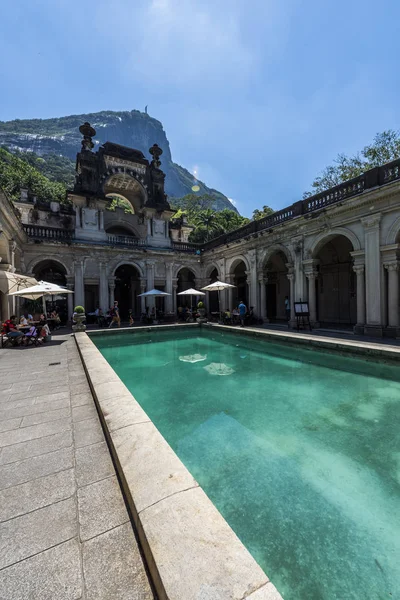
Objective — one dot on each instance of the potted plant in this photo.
(78, 317)
(201, 312)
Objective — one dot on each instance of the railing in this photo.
(368, 180)
(124, 240)
(49, 233)
(186, 247)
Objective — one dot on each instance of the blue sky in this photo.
(258, 95)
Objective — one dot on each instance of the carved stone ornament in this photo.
(156, 152)
(88, 132)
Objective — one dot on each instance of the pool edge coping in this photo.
(334, 344)
(174, 500)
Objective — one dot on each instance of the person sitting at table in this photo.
(235, 315)
(26, 319)
(227, 317)
(11, 331)
(56, 317)
(31, 333)
(44, 329)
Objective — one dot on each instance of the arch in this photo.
(393, 233)
(181, 266)
(36, 261)
(233, 263)
(113, 195)
(116, 179)
(210, 268)
(274, 249)
(131, 263)
(121, 228)
(127, 288)
(326, 236)
(335, 285)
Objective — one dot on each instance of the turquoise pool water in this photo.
(298, 449)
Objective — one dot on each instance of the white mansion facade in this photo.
(338, 250)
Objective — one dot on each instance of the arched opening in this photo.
(127, 289)
(119, 201)
(240, 292)
(53, 272)
(186, 280)
(213, 296)
(277, 287)
(336, 283)
(120, 230)
(126, 188)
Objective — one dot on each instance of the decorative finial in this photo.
(88, 132)
(156, 152)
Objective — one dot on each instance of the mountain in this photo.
(52, 138)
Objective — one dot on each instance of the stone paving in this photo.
(65, 533)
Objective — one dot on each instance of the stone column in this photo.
(79, 285)
(70, 298)
(292, 320)
(111, 289)
(150, 282)
(143, 285)
(174, 296)
(229, 292)
(360, 272)
(254, 299)
(101, 220)
(4, 307)
(168, 287)
(103, 287)
(373, 276)
(393, 293)
(312, 301)
(263, 297)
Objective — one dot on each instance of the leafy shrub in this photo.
(79, 310)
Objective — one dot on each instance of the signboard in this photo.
(301, 309)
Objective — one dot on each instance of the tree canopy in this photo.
(260, 214)
(16, 173)
(384, 148)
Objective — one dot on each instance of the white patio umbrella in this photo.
(191, 292)
(154, 294)
(217, 286)
(41, 290)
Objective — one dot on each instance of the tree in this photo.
(207, 220)
(260, 214)
(384, 148)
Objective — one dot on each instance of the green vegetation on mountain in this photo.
(16, 173)
(384, 148)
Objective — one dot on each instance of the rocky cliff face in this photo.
(130, 128)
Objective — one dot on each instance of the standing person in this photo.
(242, 312)
(287, 308)
(130, 314)
(115, 318)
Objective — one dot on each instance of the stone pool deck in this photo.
(65, 532)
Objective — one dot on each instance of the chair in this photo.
(5, 340)
(33, 337)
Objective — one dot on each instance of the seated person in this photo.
(33, 332)
(11, 331)
(26, 319)
(56, 317)
(43, 327)
(227, 316)
(235, 315)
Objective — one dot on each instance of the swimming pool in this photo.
(298, 449)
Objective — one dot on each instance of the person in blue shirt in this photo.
(242, 312)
